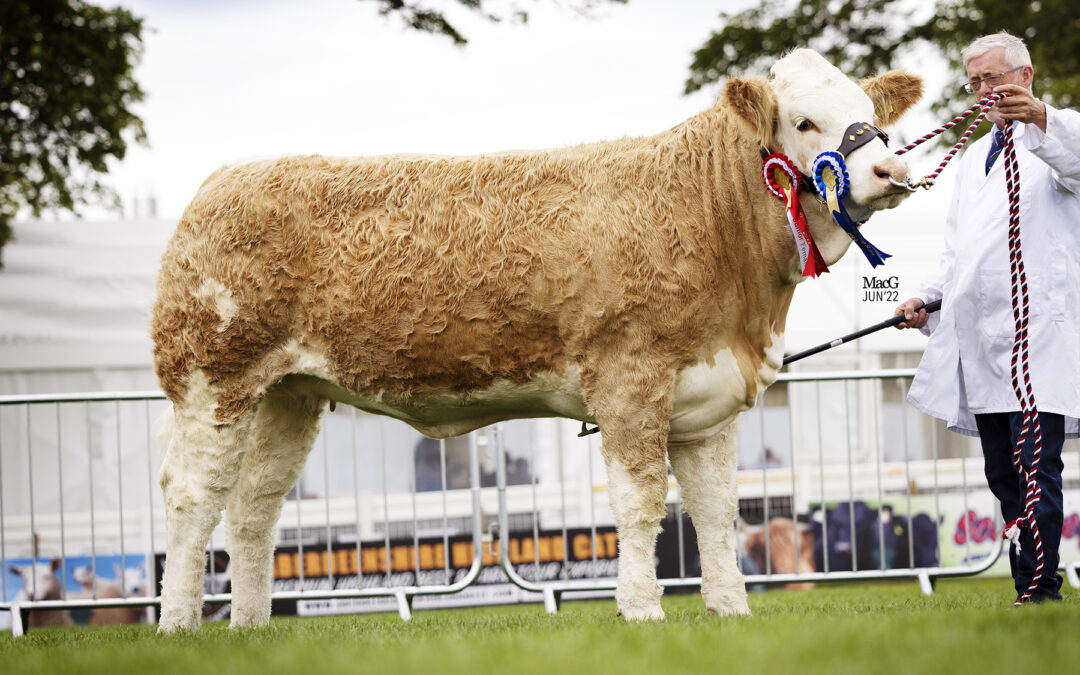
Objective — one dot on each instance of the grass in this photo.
(966, 626)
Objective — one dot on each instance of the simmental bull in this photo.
(640, 284)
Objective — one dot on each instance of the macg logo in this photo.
(876, 289)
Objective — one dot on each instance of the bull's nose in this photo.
(891, 170)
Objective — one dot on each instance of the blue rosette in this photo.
(832, 183)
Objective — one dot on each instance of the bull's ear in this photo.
(55, 564)
(893, 94)
(753, 100)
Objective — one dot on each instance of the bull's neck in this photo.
(752, 259)
(750, 222)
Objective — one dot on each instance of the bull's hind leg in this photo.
(200, 467)
(284, 432)
(706, 471)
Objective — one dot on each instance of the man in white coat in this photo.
(964, 376)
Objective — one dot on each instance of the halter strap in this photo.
(858, 135)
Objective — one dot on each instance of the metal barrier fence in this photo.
(78, 481)
(850, 465)
(843, 486)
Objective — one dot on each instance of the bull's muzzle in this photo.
(894, 173)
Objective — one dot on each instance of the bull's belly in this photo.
(443, 415)
(707, 397)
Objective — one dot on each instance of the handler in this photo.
(964, 376)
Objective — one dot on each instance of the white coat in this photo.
(965, 369)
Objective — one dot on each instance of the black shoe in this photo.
(1035, 599)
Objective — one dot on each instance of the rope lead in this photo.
(1019, 365)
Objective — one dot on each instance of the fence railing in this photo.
(78, 480)
(887, 515)
(839, 480)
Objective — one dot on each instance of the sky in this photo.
(242, 79)
(239, 79)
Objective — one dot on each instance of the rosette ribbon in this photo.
(782, 178)
(832, 183)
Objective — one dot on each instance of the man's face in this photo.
(985, 68)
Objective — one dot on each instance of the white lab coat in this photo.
(965, 369)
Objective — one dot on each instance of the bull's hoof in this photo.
(168, 625)
(245, 623)
(641, 613)
(737, 610)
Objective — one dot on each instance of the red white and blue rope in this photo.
(983, 106)
(1019, 364)
(1024, 394)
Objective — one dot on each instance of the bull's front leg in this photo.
(634, 431)
(706, 471)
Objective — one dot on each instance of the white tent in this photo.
(75, 301)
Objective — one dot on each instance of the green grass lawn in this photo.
(967, 626)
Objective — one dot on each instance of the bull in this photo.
(640, 284)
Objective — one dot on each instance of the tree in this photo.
(863, 37)
(416, 14)
(66, 91)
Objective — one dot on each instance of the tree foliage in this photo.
(419, 14)
(864, 37)
(66, 91)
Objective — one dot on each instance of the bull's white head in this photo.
(806, 107)
(40, 581)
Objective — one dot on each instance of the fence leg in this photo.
(1071, 574)
(927, 582)
(17, 623)
(552, 600)
(404, 604)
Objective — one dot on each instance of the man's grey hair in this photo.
(1016, 53)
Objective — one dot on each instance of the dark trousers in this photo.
(999, 433)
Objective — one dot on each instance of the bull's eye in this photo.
(804, 125)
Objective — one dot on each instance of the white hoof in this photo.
(242, 622)
(642, 613)
(175, 624)
(730, 610)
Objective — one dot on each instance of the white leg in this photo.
(631, 401)
(199, 470)
(637, 501)
(706, 471)
(281, 440)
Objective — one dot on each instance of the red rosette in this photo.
(780, 162)
(809, 256)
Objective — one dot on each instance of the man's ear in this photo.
(893, 94)
(753, 100)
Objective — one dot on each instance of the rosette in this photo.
(783, 180)
(832, 183)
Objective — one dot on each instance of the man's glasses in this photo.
(991, 80)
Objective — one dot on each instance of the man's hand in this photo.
(1020, 104)
(915, 316)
